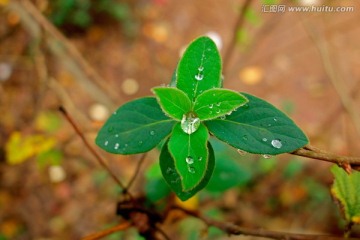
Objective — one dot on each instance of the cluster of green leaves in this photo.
(186, 114)
(80, 13)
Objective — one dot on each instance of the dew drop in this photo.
(152, 133)
(189, 160)
(275, 119)
(246, 106)
(211, 105)
(266, 156)
(116, 146)
(276, 143)
(223, 117)
(218, 104)
(218, 111)
(200, 159)
(201, 68)
(140, 142)
(106, 143)
(245, 137)
(126, 145)
(116, 135)
(241, 152)
(190, 123)
(199, 77)
(191, 169)
(169, 170)
(264, 139)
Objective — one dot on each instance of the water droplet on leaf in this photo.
(241, 152)
(189, 160)
(211, 105)
(276, 143)
(117, 146)
(190, 123)
(106, 143)
(201, 68)
(152, 133)
(200, 159)
(218, 104)
(245, 137)
(199, 77)
(264, 139)
(191, 169)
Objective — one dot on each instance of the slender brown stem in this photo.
(107, 232)
(318, 154)
(91, 149)
(239, 23)
(137, 170)
(234, 229)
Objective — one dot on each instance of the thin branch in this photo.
(338, 84)
(137, 170)
(107, 232)
(66, 50)
(234, 229)
(317, 154)
(91, 149)
(239, 24)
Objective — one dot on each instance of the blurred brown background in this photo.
(305, 63)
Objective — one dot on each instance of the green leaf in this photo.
(346, 189)
(258, 127)
(200, 68)
(191, 155)
(173, 178)
(136, 127)
(174, 102)
(227, 174)
(217, 102)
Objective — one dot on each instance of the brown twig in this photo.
(233, 229)
(239, 24)
(63, 48)
(317, 154)
(107, 232)
(91, 149)
(137, 170)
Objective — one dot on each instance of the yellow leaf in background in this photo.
(4, 2)
(191, 204)
(19, 148)
(251, 75)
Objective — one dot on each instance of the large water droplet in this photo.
(191, 169)
(276, 143)
(152, 133)
(190, 123)
(199, 77)
(241, 152)
(189, 160)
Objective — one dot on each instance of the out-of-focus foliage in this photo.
(83, 13)
(19, 147)
(346, 189)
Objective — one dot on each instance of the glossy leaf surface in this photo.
(258, 127)
(136, 127)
